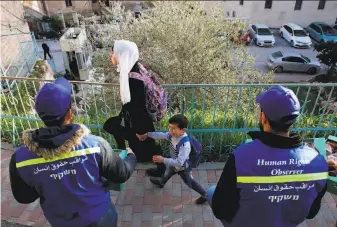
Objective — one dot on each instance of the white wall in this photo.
(37, 5)
(68, 44)
(282, 12)
(9, 45)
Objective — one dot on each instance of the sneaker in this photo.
(201, 200)
(154, 172)
(156, 181)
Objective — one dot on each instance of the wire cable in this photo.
(12, 13)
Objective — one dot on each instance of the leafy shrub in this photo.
(181, 41)
(216, 144)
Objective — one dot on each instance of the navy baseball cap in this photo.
(279, 102)
(53, 100)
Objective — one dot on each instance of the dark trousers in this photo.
(144, 150)
(109, 219)
(186, 176)
(45, 55)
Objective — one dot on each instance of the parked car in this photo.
(261, 35)
(322, 32)
(295, 35)
(288, 61)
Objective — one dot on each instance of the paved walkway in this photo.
(56, 53)
(140, 204)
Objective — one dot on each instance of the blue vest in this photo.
(278, 186)
(71, 191)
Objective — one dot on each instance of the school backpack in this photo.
(156, 98)
(196, 149)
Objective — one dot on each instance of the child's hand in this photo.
(129, 150)
(141, 137)
(158, 159)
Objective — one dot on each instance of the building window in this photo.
(68, 3)
(268, 4)
(241, 2)
(298, 4)
(321, 4)
(45, 27)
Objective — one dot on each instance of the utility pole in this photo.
(75, 19)
(60, 13)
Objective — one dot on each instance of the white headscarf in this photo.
(127, 55)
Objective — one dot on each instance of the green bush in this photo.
(56, 27)
(216, 145)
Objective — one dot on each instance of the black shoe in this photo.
(154, 172)
(201, 200)
(156, 181)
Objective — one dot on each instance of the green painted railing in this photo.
(220, 115)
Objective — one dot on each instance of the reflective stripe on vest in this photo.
(283, 179)
(72, 154)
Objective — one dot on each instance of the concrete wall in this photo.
(282, 12)
(78, 6)
(36, 5)
(9, 45)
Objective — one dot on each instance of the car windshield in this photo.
(328, 31)
(305, 58)
(277, 54)
(300, 33)
(263, 31)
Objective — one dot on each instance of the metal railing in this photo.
(19, 53)
(220, 115)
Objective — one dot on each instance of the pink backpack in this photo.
(156, 98)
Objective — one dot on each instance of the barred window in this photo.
(268, 4)
(321, 4)
(298, 4)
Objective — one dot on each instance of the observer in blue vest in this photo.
(276, 180)
(65, 166)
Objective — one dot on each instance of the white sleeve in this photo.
(159, 135)
(183, 155)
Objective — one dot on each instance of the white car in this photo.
(261, 35)
(295, 35)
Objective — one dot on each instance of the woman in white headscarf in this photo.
(134, 117)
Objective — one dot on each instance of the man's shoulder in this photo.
(21, 149)
(250, 146)
(22, 153)
(248, 151)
